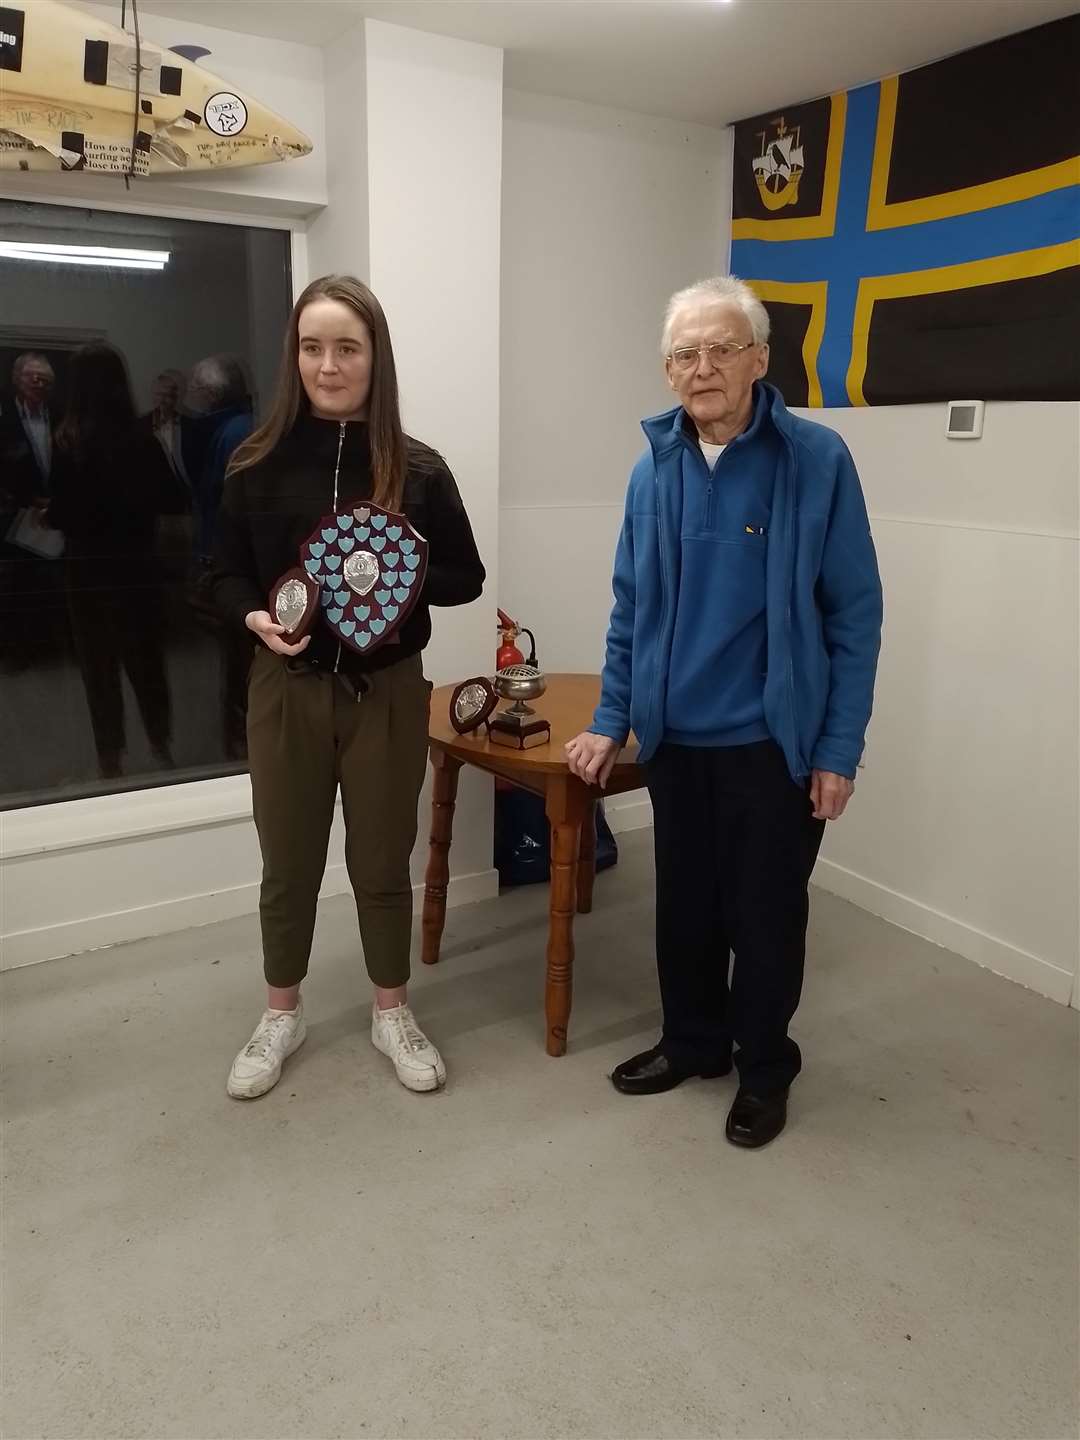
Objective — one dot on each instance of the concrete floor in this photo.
(529, 1254)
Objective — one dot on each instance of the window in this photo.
(115, 673)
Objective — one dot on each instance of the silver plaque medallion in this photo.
(470, 702)
(291, 604)
(361, 571)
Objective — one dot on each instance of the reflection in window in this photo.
(133, 354)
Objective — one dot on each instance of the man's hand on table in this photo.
(592, 757)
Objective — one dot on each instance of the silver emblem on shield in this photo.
(361, 571)
(470, 702)
(290, 605)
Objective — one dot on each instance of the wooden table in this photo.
(570, 804)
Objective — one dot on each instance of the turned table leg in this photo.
(443, 801)
(586, 873)
(566, 802)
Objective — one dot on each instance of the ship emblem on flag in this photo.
(779, 167)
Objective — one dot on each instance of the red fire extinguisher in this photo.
(508, 653)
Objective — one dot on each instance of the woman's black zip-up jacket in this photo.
(269, 509)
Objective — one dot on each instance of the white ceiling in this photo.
(710, 61)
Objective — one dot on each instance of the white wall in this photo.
(337, 237)
(964, 826)
(434, 174)
(605, 213)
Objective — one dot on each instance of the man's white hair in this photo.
(718, 287)
(29, 357)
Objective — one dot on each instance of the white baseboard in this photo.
(963, 939)
(51, 942)
(632, 811)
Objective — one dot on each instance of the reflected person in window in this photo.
(164, 420)
(221, 419)
(26, 430)
(321, 716)
(33, 626)
(109, 480)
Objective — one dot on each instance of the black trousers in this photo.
(736, 842)
(120, 630)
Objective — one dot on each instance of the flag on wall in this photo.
(919, 238)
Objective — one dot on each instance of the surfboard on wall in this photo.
(68, 102)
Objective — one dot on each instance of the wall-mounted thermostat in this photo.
(964, 419)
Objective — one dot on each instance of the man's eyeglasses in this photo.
(721, 353)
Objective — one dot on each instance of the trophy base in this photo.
(518, 737)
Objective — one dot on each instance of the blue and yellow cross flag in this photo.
(919, 238)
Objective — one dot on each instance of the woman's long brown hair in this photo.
(389, 447)
(99, 409)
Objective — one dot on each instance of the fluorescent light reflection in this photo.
(101, 256)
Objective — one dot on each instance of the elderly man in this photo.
(218, 396)
(742, 650)
(164, 420)
(26, 431)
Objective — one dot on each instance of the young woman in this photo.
(320, 715)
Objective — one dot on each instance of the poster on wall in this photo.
(75, 92)
(918, 239)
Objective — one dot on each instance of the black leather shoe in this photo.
(753, 1121)
(652, 1072)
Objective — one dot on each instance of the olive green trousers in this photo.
(308, 735)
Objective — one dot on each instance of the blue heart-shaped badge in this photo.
(401, 594)
(329, 536)
(333, 562)
(362, 638)
(345, 522)
(378, 522)
(391, 558)
(390, 611)
(312, 568)
(361, 611)
(362, 533)
(334, 615)
(412, 561)
(378, 542)
(378, 626)
(393, 532)
(408, 577)
(381, 597)
(327, 597)
(317, 550)
(346, 543)
(389, 577)
(408, 545)
(347, 627)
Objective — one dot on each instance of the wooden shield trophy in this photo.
(367, 566)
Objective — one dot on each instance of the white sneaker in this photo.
(258, 1066)
(418, 1064)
